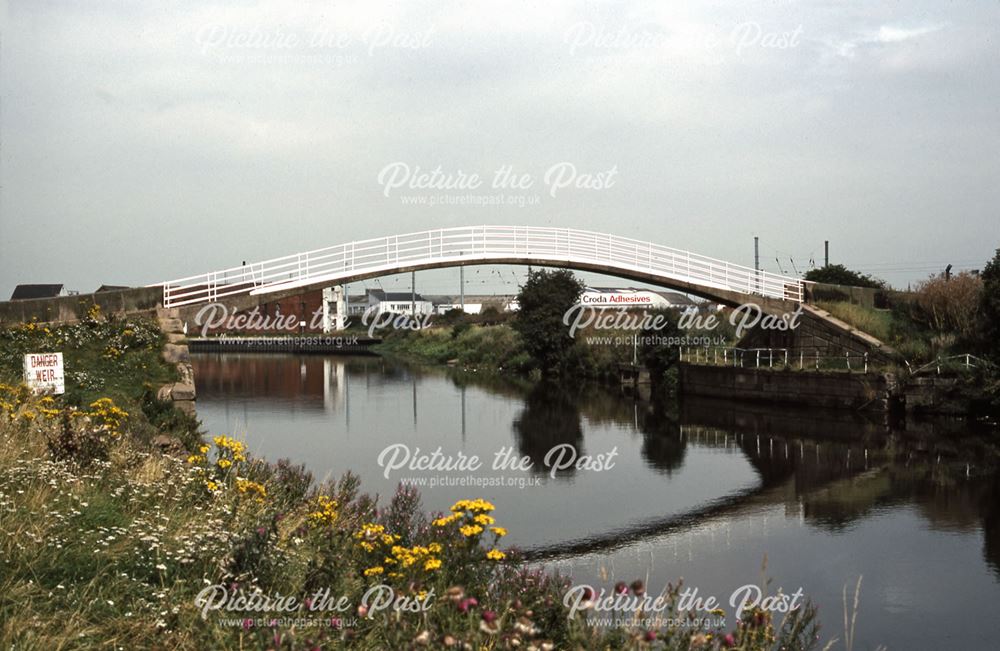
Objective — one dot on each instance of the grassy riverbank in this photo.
(105, 542)
(499, 348)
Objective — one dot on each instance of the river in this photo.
(704, 491)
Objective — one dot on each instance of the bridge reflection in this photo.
(828, 469)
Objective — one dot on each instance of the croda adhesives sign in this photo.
(43, 372)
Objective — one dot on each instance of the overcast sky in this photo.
(142, 143)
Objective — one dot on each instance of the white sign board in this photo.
(43, 372)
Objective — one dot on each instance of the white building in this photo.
(470, 308)
(398, 303)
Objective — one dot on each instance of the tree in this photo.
(543, 301)
(989, 309)
(838, 274)
(949, 305)
(659, 351)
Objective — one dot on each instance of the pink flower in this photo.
(489, 616)
(729, 640)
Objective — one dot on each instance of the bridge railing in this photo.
(472, 245)
(773, 358)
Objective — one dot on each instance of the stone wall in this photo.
(821, 333)
(946, 394)
(831, 390)
(176, 352)
(70, 309)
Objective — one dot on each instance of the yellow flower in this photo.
(372, 571)
(495, 555)
(470, 530)
(499, 531)
(370, 531)
(432, 564)
(434, 548)
(484, 519)
(247, 486)
(472, 505)
(325, 510)
(211, 485)
(224, 463)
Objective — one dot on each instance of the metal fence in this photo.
(950, 363)
(773, 358)
(783, 358)
(472, 245)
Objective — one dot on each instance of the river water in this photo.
(704, 491)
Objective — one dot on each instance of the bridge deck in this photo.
(448, 247)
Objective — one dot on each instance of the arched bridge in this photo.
(684, 271)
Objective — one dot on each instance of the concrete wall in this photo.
(69, 309)
(831, 390)
(870, 297)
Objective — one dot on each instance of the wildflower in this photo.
(470, 530)
(372, 571)
(484, 519)
(489, 624)
(251, 487)
(455, 593)
(370, 532)
(477, 505)
(432, 564)
(224, 463)
(499, 531)
(324, 511)
(525, 626)
(495, 555)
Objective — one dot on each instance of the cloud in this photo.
(805, 129)
(884, 35)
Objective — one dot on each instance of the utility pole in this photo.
(826, 253)
(461, 280)
(756, 253)
(413, 293)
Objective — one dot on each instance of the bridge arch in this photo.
(580, 250)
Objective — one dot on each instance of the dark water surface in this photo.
(705, 494)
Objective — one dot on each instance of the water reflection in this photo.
(704, 491)
(550, 418)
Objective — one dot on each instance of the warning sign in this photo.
(43, 372)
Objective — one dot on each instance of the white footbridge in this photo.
(475, 245)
